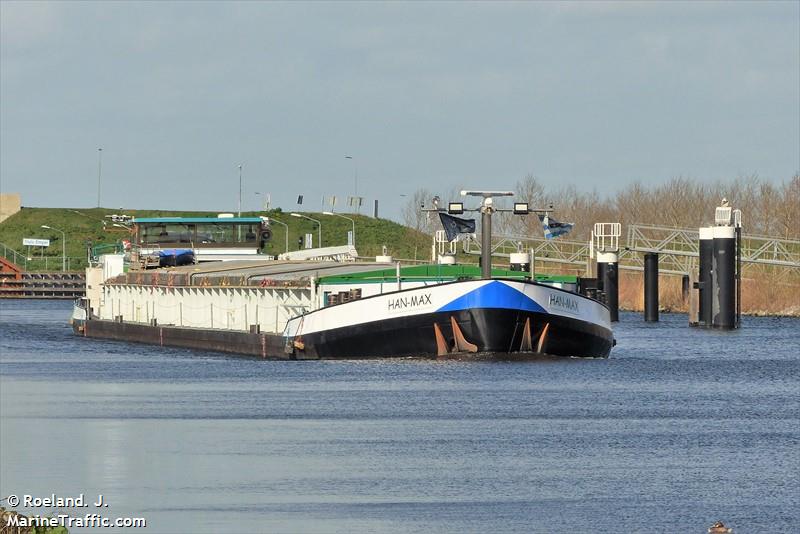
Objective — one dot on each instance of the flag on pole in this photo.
(454, 226)
(553, 228)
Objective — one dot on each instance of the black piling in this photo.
(724, 278)
(651, 287)
(601, 273)
(486, 244)
(612, 287)
(684, 288)
(704, 276)
(608, 275)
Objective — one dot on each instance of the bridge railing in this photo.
(679, 247)
(558, 250)
(42, 263)
(678, 250)
(11, 255)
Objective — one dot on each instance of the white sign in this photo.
(28, 242)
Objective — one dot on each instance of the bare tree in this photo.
(532, 191)
(679, 203)
(768, 208)
(414, 217)
(787, 211)
(631, 203)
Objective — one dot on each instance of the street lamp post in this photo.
(285, 226)
(240, 191)
(344, 217)
(63, 246)
(319, 225)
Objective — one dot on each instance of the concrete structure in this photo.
(10, 203)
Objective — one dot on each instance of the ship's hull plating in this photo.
(484, 316)
(490, 330)
(256, 345)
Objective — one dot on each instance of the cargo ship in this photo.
(312, 310)
(323, 306)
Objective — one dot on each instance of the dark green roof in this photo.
(437, 273)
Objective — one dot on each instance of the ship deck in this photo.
(300, 273)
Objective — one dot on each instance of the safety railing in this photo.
(42, 262)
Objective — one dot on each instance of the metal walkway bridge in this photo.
(678, 250)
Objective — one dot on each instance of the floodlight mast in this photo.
(487, 209)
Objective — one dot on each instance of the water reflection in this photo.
(200, 442)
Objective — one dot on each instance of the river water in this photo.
(679, 428)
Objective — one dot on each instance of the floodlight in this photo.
(455, 208)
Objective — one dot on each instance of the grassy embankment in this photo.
(81, 226)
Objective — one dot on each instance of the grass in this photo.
(84, 227)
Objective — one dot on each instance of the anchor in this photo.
(460, 341)
(526, 345)
(542, 338)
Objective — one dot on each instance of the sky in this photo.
(438, 95)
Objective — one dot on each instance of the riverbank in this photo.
(767, 296)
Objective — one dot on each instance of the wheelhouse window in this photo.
(202, 234)
(167, 233)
